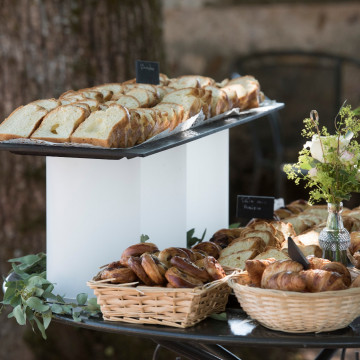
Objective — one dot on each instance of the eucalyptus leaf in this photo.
(234, 225)
(81, 298)
(222, 316)
(47, 319)
(20, 315)
(40, 327)
(37, 304)
(57, 309)
(76, 316)
(28, 259)
(9, 295)
(144, 238)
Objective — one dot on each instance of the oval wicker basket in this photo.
(296, 312)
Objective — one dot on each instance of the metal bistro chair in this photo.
(303, 81)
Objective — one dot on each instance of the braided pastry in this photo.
(118, 273)
(209, 248)
(154, 269)
(134, 263)
(178, 279)
(137, 250)
(190, 268)
(166, 255)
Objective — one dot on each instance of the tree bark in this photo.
(46, 48)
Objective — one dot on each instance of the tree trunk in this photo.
(46, 48)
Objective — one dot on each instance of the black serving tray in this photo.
(146, 149)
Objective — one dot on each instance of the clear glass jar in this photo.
(334, 239)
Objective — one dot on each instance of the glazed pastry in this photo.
(190, 268)
(179, 279)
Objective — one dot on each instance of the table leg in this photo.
(189, 351)
(220, 351)
(326, 354)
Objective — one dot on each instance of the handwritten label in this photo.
(147, 72)
(249, 207)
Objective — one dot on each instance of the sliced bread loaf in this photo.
(22, 122)
(103, 128)
(59, 124)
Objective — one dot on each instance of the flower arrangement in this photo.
(329, 164)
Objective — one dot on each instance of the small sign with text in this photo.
(249, 207)
(147, 72)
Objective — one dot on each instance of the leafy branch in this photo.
(32, 296)
(192, 240)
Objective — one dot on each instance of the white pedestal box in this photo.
(97, 208)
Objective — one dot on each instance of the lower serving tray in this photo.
(149, 148)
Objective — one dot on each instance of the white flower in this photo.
(347, 158)
(312, 172)
(328, 142)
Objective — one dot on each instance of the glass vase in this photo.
(334, 239)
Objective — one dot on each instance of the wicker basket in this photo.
(159, 305)
(296, 312)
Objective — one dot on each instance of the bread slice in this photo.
(273, 252)
(188, 98)
(115, 88)
(22, 122)
(173, 112)
(191, 81)
(238, 259)
(299, 224)
(232, 96)
(220, 102)
(59, 124)
(47, 104)
(141, 95)
(252, 88)
(241, 244)
(262, 225)
(163, 79)
(267, 236)
(146, 119)
(103, 128)
(107, 94)
(285, 228)
(310, 237)
(127, 101)
(93, 104)
(241, 94)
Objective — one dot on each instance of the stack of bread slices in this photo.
(264, 239)
(126, 114)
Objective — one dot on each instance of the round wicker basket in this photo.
(296, 312)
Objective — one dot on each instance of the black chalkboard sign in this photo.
(249, 207)
(147, 72)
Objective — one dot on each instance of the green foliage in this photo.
(329, 164)
(31, 295)
(144, 238)
(192, 240)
